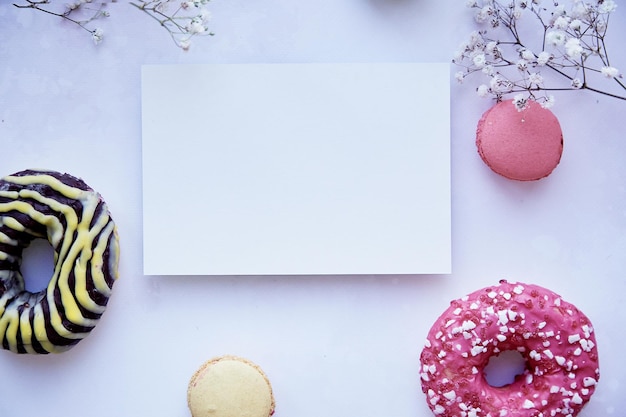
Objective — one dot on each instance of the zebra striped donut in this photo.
(75, 220)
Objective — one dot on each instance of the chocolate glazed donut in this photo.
(74, 219)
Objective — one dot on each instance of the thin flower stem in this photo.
(185, 21)
(36, 5)
(573, 45)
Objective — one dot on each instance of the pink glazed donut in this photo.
(552, 335)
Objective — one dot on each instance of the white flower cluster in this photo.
(79, 12)
(182, 19)
(572, 45)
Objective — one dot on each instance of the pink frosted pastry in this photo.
(521, 145)
(553, 336)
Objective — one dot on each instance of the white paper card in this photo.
(294, 169)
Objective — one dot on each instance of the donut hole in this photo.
(504, 367)
(37, 265)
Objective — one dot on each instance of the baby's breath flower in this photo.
(500, 85)
(543, 58)
(535, 78)
(573, 48)
(475, 40)
(492, 48)
(600, 25)
(195, 27)
(520, 101)
(606, 6)
(488, 70)
(479, 60)
(555, 37)
(610, 72)
(580, 10)
(559, 10)
(459, 76)
(204, 15)
(185, 44)
(97, 35)
(482, 90)
(484, 14)
(576, 25)
(548, 102)
(527, 55)
(572, 45)
(561, 22)
(182, 19)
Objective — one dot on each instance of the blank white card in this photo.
(296, 169)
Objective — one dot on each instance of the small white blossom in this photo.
(458, 56)
(573, 48)
(484, 14)
(561, 22)
(492, 48)
(556, 37)
(543, 58)
(471, 3)
(576, 83)
(607, 6)
(559, 10)
(522, 65)
(610, 72)
(204, 15)
(488, 70)
(196, 27)
(479, 60)
(459, 76)
(576, 25)
(475, 40)
(185, 44)
(97, 35)
(548, 102)
(520, 102)
(600, 25)
(535, 79)
(580, 10)
(527, 54)
(482, 90)
(500, 85)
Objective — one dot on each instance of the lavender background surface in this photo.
(332, 346)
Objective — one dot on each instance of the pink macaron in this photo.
(521, 145)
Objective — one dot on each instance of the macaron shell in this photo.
(230, 386)
(521, 145)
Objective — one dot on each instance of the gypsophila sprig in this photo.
(183, 20)
(520, 43)
(80, 12)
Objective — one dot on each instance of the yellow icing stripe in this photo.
(26, 332)
(57, 185)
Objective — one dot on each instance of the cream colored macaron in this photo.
(230, 386)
